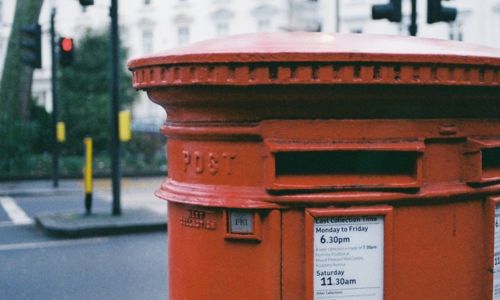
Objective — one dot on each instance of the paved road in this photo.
(36, 266)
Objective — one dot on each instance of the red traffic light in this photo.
(66, 44)
(66, 49)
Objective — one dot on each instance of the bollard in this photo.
(87, 175)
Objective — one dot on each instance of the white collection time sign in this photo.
(348, 257)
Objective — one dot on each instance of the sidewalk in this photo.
(141, 210)
(135, 193)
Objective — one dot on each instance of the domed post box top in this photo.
(261, 59)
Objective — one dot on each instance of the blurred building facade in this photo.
(149, 26)
(477, 21)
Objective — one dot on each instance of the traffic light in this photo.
(31, 45)
(66, 48)
(439, 13)
(86, 2)
(390, 11)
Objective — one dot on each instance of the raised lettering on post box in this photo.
(348, 257)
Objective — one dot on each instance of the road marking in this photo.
(6, 224)
(52, 244)
(15, 213)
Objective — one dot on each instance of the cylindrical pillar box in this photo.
(322, 166)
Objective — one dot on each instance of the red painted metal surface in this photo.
(291, 127)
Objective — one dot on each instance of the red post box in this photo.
(322, 166)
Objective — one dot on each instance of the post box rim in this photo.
(323, 47)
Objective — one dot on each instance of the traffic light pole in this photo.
(413, 25)
(115, 107)
(55, 144)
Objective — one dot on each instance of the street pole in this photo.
(337, 16)
(115, 107)
(413, 25)
(55, 144)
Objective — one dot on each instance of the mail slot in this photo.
(310, 165)
(324, 166)
(483, 161)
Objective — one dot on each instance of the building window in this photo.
(222, 18)
(263, 25)
(182, 35)
(182, 23)
(263, 15)
(147, 41)
(357, 30)
(456, 31)
(222, 29)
